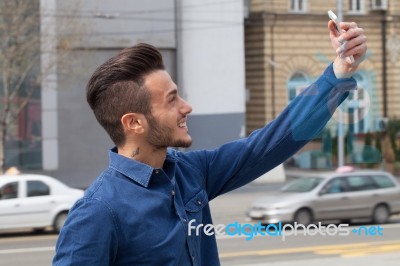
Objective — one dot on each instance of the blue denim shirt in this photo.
(134, 214)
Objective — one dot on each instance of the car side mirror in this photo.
(323, 191)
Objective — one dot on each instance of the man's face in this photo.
(167, 124)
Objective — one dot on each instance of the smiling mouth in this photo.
(182, 125)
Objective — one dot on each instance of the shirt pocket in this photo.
(195, 205)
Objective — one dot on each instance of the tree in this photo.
(378, 143)
(26, 43)
(370, 154)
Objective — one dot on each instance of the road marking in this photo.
(349, 252)
(25, 250)
(26, 238)
(223, 237)
(346, 250)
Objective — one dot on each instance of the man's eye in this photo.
(172, 99)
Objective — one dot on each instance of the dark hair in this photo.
(117, 87)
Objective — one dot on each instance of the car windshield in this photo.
(305, 184)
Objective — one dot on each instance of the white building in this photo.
(203, 47)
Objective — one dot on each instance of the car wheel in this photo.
(38, 230)
(59, 221)
(304, 217)
(381, 214)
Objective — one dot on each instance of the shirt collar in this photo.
(137, 171)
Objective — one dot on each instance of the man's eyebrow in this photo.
(172, 92)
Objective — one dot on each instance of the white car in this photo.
(34, 201)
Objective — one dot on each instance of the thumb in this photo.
(332, 29)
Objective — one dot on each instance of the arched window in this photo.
(297, 82)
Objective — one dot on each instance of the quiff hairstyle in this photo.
(117, 87)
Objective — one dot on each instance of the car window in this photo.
(37, 188)
(360, 183)
(302, 184)
(9, 191)
(383, 181)
(336, 185)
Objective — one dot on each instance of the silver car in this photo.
(331, 196)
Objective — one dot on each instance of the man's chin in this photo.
(183, 143)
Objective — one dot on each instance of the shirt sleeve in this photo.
(88, 237)
(239, 162)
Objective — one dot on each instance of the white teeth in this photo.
(182, 125)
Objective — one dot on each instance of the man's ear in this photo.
(133, 122)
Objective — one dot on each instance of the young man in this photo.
(138, 210)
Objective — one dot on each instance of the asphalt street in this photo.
(26, 248)
(300, 250)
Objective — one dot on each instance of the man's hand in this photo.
(353, 42)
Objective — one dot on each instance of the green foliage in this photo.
(370, 154)
(348, 140)
(378, 143)
(368, 139)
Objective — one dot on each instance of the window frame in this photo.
(48, 193)
(296, 86)
(353, 11)
(16, 188)
(295, 4)
(374, 177)
(364, 178)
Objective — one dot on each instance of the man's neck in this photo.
(144, 154)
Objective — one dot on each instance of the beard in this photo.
(161, 136)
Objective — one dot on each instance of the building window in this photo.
(356, 6)
(298, 6)
(23, 146)
(297, 82)
(358, 107)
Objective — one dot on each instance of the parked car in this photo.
(34, 201)
(340, 195)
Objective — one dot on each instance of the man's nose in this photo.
(186, 107)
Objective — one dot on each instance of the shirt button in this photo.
(173, 192)
(156, 172)
(184, 220)
(193, 258)
(199, 202)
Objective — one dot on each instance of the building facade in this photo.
(288, 47)
(202, 43)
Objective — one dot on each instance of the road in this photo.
(25, 248)
(300, 250)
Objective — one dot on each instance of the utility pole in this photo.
(339, 5)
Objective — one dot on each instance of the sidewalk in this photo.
(387, 259)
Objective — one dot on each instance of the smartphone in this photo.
(335, 19)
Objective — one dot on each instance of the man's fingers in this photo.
(348, 45)
(360, 39)
(350, 34)
(355, 51)
(348, 25)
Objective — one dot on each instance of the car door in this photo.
(362, 199)
(37, 204)
(333, 200)
(10, 202)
